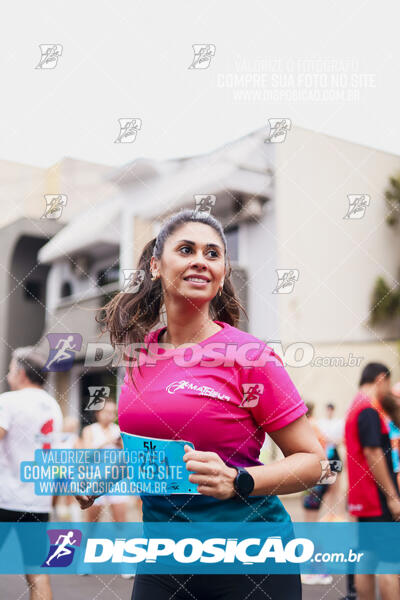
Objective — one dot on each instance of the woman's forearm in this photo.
(292, 474)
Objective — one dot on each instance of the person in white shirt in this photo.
(30, 419)
(332, 429)
(65, 508)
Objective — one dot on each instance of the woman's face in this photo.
(192, 264)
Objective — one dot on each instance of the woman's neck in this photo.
(180, 335)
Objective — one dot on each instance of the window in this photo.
(66, 289)
(109, 274)
(33, 290)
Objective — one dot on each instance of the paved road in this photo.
(113, 587)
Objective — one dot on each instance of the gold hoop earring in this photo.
(220, 292)
(154, 277)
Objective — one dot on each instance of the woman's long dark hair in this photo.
(129, 317)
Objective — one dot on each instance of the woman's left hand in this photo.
(212, 476)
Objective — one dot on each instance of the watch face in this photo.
(244, 483)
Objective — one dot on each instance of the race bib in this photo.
(160, 460)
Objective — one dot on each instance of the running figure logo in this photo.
(63, 543)
(98, 395)
(50, 54)
(357, 206)
(176, 385)
(54, 206)
(286, 280)
(133, 279)
(204, 203)
(278, 129)
(251, 394)
(128, 129)
(203, 54)
(62, 350)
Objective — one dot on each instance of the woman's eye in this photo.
(184, 249)
(213, 253)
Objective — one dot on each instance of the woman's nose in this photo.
(199, 262)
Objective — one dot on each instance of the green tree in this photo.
(392, 195)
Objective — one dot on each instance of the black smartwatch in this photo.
(243, 483)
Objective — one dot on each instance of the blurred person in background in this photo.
(373, 494)
(312, 501)
(393, 412)
(65, 508)
(102, 434)
(29, 418)
(332, 428)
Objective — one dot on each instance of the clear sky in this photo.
(328, 66)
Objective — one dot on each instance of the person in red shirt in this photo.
(373, 492)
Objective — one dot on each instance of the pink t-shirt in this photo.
(223, 395)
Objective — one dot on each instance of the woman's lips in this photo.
(197, 281)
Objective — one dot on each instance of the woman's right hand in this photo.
(85, 501)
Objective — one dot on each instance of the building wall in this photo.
(86, 184)
(22, 189)
(257, 254)
(339, 384)
(143, 233)
(27, 293)
(338, 259)
(21, 321)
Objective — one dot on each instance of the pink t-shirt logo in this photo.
(176, 385)
(203, 390)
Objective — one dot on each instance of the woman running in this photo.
(224, 401)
